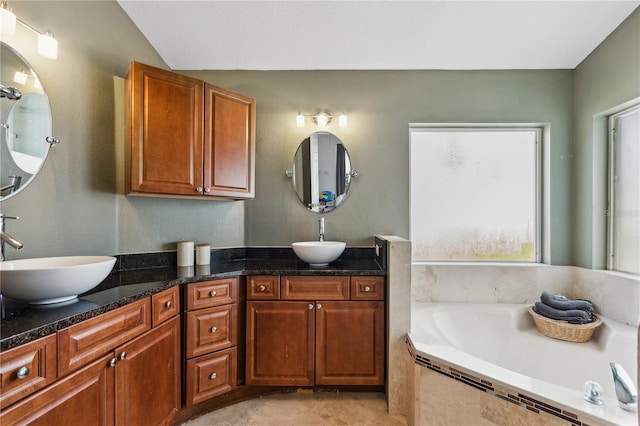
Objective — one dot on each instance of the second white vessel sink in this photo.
(318, 253)
(49, 280)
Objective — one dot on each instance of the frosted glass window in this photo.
(624, 192)
(474, 194)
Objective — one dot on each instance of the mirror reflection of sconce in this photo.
(47, 44)
(322, 119)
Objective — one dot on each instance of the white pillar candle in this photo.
(203, 254)
(185, 253)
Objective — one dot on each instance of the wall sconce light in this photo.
(47, 44)
(322, 119)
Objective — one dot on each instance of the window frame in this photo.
(611, 173)
(539, 130)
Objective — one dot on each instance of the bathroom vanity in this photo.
(151, 345)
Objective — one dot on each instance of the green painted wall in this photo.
(605, 81)
(380, 105)
(74, 206)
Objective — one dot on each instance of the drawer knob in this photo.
(123, 355)
(168, 304)
(207, 190)
(262, 288)
(367, 288)
(23, 372)
(199, 189)
(113, 362)
(319, 306)
(214, 329)
(310, 306)
(213, 376)
(213, 293)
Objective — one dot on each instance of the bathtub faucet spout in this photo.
(625, 390)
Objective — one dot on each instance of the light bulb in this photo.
(20, 77)
(322, 119)
(47, 45)
(7, 20)
(300, 120)
(342, 120)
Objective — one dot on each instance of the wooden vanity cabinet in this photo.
(129, 381)
(187, 138)
(306, 341)
(212, 332)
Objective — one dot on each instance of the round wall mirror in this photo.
(321, 172)
(25, 123)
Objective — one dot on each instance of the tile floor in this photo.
(304, 409)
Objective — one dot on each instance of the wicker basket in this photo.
(563, 330)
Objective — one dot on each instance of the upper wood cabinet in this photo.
(187, 138)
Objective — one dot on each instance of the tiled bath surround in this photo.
(615, 295)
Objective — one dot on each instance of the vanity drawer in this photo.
(211, 375)
(165, 305)
(367, 288)
(263, 287)
(27, 368)
(211, 329)
(314, 288)
(84, 342)
(212, 293)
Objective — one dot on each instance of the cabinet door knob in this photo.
(23, 372)
(262, 288)
(310, 306)
(367, 288)
(113, 362)
(168, 304)
(319, 306)
(213, 376)
(123, 355)
(214, 329)
(213, 293)
(199, 189)
(207, 190)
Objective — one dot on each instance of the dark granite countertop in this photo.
(154, 273)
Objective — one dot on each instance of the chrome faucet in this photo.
(321, 225)
(6, 238)
(14, 185)
(625, 390)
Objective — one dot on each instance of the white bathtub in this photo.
(498, 343)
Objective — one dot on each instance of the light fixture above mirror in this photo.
(47, 44)
(322, 119)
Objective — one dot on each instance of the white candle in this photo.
(203, 254)
(185, 253)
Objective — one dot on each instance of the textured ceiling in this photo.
(301, 35)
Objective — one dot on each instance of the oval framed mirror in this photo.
(25, 123)
(321, 172)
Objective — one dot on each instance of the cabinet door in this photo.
(349, 343)
(164, 153)
(82, 398)
(148, 377)
(229, 144)
(280, 346)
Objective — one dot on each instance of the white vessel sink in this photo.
(318, 253)
(52, 279)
